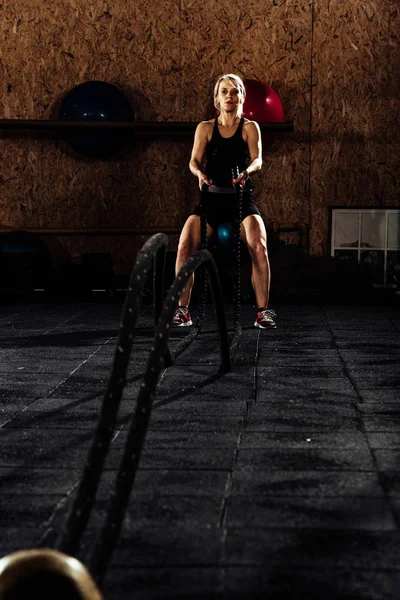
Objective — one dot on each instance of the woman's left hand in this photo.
(241, 178)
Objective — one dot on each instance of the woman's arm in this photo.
(199, 147)
(253, 139)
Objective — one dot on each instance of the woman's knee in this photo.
(189, 239)
(185, 249)
(258, 250)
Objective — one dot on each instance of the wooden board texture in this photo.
(334, 65)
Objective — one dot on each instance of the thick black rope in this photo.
(153, 249)
(195, 330)
(203, 241)
(237, 282)
(158, 282)
(108, 537)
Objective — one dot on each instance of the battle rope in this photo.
(203, 241)
(87, 490)
(153, 249)
(237, 275)
(109, 534)
(195, 330)
(237, 282)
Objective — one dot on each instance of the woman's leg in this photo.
(189, 243)
(255, 236)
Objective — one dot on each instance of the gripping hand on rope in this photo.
(241, 178)
(203, 181)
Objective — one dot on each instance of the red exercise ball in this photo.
(262, 103)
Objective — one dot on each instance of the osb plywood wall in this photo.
(354, 109)
(334, 64)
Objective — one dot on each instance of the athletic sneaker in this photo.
(182, 317)
(264, 319)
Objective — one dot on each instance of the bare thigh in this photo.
(190, 234)
(253, 230)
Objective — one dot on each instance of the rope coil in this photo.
(80, 512)
(85, 497)
(109, 534)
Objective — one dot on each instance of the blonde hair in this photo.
(237, 82)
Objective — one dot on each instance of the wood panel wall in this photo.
(354, 56)
(335, 66)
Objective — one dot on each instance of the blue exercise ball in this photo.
(96, 101)
(22, 242)
(25, 262)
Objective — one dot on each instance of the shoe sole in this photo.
(264, 327)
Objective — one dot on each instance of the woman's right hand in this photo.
(203, 180)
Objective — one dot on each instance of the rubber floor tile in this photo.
(282, 512)
(253, 483)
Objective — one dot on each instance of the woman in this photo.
(226, 142)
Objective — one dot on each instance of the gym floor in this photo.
(280, 479)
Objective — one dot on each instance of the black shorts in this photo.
(221, 208)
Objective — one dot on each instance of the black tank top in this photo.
(224, 154)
